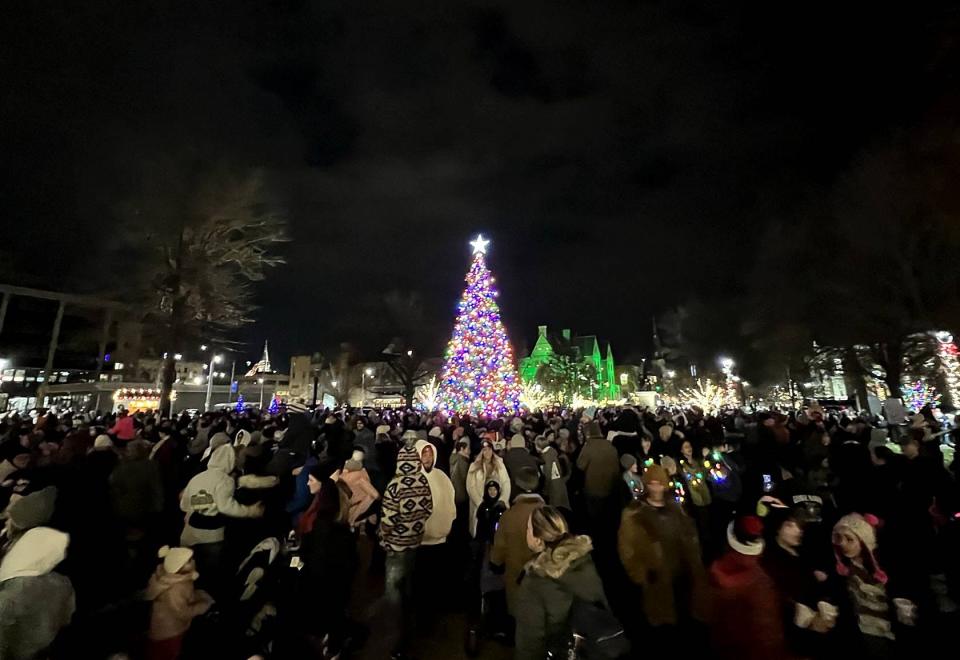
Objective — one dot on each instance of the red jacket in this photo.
(124, 429)
(747, 618)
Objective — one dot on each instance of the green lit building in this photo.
(575, 360)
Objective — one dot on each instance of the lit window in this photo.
(118, 366)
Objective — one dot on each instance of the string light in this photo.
(479, 374)
(950, 364)
(918, 395)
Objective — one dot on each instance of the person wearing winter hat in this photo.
(362, 493)
(364, 437)
(35, 602)
(632, 479)
(747, 621)
(486, 466)
(518, 458)
(26, 512)
(103, 442)
(855, 546)
(407, 505)
(175, 602)
(660, 552)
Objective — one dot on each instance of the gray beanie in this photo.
(33, 510)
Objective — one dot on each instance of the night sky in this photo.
(623, 157)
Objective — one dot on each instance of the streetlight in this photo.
(260, 380)
(214, 359)
(363, 386)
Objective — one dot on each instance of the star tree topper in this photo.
(479, 244)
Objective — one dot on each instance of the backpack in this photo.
(603, 635)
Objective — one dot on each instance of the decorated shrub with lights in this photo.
(479, 372)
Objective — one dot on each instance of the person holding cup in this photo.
(866, 585)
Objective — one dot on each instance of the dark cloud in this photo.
(622, 155)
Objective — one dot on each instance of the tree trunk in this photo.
(409, 392)
(890, 357)
(167, 377)
(853, 374)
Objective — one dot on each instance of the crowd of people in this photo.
(597, 533)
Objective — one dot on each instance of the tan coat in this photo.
(175, 603)
(657, 547)
(510, 544)
(601, 467)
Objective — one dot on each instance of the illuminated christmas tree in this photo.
(479, 372)
(274, 405)
(919, 394)
(240, 404)
(950, 365)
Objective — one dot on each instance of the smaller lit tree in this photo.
(707, 396)
(427, 394)
(533, 397)
(918, 394)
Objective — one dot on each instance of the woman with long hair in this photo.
(561, 572)
(485, 468)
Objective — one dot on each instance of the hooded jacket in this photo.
(210, 493)
(476, 482)
(175, 603)
(550, 582)
(407, 504)
(35, 603)
(438, 525)
(362, 492)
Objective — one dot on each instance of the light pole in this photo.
(363, 386)
(214, 359)
(333, 384)
(260, 380)
(233, 374)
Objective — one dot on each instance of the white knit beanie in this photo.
(859, 527)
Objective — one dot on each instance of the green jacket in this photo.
(547, 589)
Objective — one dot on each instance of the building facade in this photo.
(590, 373)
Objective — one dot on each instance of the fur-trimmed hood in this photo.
(555, 563)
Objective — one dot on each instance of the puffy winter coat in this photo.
(175, 603)
(210, 493)
(550, 582)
